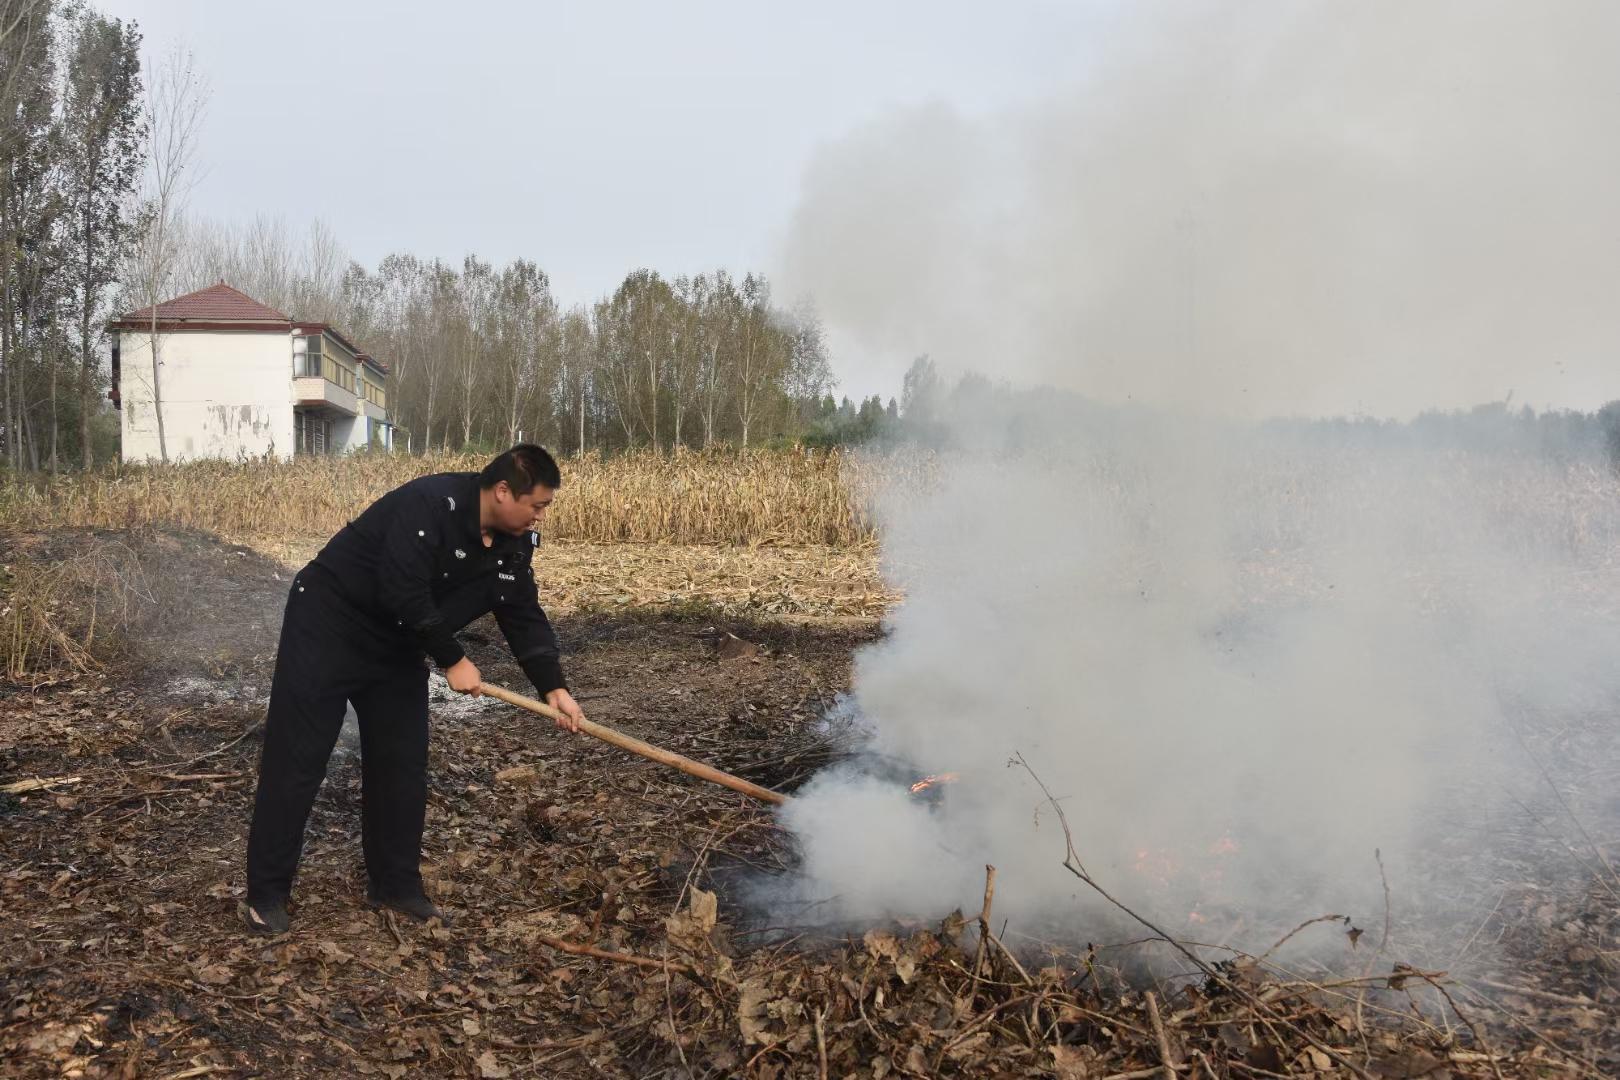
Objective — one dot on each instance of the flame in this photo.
(1162, 866)
(929, 781)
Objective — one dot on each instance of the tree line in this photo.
(97, 158)
(73, 149)
(480, 354)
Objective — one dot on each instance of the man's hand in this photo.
(564, 702)
(463, 677)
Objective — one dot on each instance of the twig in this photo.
(1479, 1040)
(393, 926)
(821, 1041)
(674, 1032)
(1071, 863)
(984, 925)
(22, 787)
(1286, 937)
(1008, 953)
(617, 957)
(1462, 952)
(1361, 998)
(252, 729)
(1538, 995)
(1165, 1057)
(979, 1022)
(1378, 856)
(1539, 1035)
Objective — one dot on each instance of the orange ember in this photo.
(929, 781)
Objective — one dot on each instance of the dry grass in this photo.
(64, 614)
(722, 497)
(814, 582)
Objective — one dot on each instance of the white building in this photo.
(239, 379)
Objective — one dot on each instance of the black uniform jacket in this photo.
(416, 563)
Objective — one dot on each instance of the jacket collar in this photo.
(467, 492)
(467, 503)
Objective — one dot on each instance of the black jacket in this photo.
(415, 562)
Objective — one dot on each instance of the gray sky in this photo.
(592, 137)
(1249, 206)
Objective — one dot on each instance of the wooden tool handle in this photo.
(646, 750)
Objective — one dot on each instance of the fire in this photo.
(1162, 866)
(929, 781)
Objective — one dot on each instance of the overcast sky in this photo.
(1259, 206)
(592, 137)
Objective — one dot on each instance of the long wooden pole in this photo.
(646, 750)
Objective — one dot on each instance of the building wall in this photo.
(224, 395)
(348, 433)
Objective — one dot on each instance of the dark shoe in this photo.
(416, 906)
(266, 916)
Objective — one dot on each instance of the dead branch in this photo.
(1071, 862)
(617, 957)
(1165, 1057)
(23, 787)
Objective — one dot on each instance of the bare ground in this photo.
(123, 953)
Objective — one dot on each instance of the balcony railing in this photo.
(318, 364)
(313, 366)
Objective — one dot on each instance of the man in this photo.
(396, 583)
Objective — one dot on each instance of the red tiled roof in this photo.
(220, 307)
(217, 303)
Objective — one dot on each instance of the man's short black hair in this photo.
(522, 467)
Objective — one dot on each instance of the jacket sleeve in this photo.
(405, 583)
(529, 632)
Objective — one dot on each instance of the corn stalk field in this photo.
(735, 497)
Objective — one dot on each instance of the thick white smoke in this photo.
(1207, 634)
(1259, 208)
(1246, 660)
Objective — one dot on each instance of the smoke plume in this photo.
(1244, 656)
(1256, 209)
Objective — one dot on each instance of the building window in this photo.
(312, 434)
(307, 364)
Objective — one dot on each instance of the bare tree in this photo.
(720, 316)
(103, 147)
(473, 338)
(576, 362)
(175, 98)
(27, 162)
(761, 352)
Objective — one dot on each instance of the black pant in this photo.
(331, 653)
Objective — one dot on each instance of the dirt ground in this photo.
(120, 892)
(124, 955)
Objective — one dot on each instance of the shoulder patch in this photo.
(534, 539)
(451, 499)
